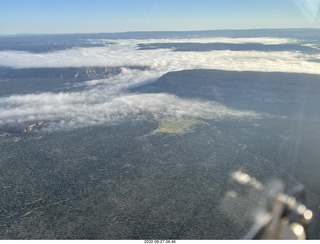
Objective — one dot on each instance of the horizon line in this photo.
(159, 31)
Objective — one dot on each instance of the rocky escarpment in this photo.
(63, 73)
(36, 80)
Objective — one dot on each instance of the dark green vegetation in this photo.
(287, 98)
(124, 181)
(117, 183)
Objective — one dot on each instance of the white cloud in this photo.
(104, 101)
(125, 52)
(69, 111)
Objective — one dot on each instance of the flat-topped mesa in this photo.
(271, 92)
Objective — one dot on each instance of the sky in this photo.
(92, 16)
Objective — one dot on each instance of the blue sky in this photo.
(79, 16)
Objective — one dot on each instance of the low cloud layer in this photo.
(106, 103)
(106, 100)
(126, 53)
